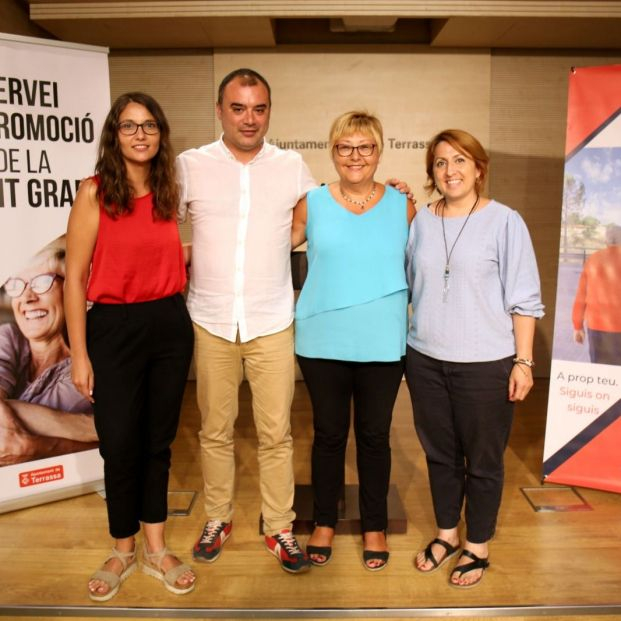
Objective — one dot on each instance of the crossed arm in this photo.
(30, 431)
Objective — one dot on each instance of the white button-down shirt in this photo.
(241, 237)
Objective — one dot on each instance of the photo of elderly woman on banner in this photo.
(41, 412)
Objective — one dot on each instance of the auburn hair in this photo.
(466, 144)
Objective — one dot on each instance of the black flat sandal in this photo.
(375, 555)
(450, 551)
(325, 551)
(477, 563)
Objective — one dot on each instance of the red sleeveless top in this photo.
(136, 258)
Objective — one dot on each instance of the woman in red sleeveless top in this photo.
(132, 350)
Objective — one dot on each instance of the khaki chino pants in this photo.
(268, 362)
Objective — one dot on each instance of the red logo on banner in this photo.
(43, 475)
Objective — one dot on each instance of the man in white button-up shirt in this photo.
(240, 192)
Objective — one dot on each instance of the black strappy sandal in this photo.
(450, 552)
(477, 563)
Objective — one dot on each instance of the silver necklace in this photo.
(354, 201)
(447, 252)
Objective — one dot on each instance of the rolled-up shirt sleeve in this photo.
(518, 269)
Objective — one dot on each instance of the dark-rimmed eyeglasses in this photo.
(364, 150)
(39, 284)
(129, 128)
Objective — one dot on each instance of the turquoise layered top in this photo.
(353, 305)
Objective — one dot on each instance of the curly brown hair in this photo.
(113, 187)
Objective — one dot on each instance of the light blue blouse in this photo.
(353, 305)
(493, 274)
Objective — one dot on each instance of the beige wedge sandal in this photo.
(114, 581)
(152, 566)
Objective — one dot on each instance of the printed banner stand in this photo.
(53, 99)
(583, 431)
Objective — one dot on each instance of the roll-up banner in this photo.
(53, 99)
(583, 432)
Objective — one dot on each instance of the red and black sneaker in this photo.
(209, 544)
(285, 548)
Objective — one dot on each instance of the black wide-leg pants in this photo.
(140, 355)
(463, 419)
(373, 386)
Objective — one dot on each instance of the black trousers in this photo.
(463, 419)
(373, 386)
(140, 355)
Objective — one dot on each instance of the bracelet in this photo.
(525, 361)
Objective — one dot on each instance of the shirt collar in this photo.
(227, 152)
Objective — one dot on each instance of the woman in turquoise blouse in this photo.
(351, 325)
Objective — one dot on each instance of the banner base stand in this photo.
(559, 498)
(51, 496)
(180, 502)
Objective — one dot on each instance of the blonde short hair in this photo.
(357, 122)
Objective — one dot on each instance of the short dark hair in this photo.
(249, 77)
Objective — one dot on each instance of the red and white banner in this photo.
(583, 432)
(53, 99)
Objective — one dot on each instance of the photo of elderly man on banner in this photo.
(584, 409)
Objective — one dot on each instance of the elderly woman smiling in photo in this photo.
(475, 299)
(351, 323)
(41, 412)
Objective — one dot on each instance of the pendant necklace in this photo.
(354, 201)
(447, 252)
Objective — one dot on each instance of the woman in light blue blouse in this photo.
(350, 328)
(475, 297)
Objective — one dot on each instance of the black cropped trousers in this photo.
(140, 355)
(463, 419)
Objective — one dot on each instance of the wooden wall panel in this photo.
(182, 82)
(414, 90)
(527, 143)
(14, 19)
(526, 91)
